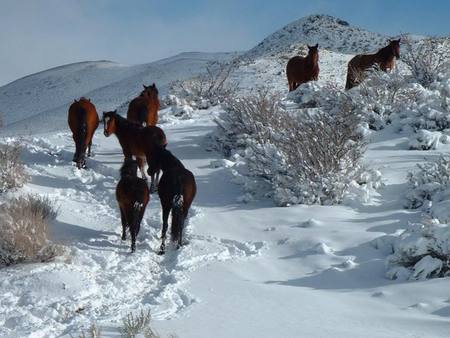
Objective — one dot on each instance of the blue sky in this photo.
(37, 35)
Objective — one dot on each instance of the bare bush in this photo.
(211, 87)
(93, 332)
(308, 156)
(12, 170)
(427, 58)
(24, 230)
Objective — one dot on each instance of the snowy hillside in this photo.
(248, 269)
(329, 32)
(40, 101)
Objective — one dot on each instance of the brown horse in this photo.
(132, 195)
(83, 121)
(176, 190)
(383, 59)
(303, 69)
(144, 108)
(134, 139)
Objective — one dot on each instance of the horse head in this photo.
(313, 52)
(150, 90)
(395, 47)
(156, 161)
(110, 122)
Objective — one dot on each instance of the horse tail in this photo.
(134, 222)
(81, 134)
(177, 208)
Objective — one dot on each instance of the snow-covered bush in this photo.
(139, 324)
(308, 156)
(421, 252)
(426, 58)
(12, 170)
(211, 87)
(24, 223)
(429, 184)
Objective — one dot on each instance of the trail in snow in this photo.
(101, 281)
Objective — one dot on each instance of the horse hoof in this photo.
(161, 252)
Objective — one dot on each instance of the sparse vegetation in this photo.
(24, 226)
(133, 325)
(307, 156)
(211, 87)
(427, 58)
(12, 170)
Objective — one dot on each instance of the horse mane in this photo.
(125, 124)
(84, 99)
(166, 159)
(385, 53)
(129, 168)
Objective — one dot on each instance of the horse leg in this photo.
(124, 224)
(89, 148)
(154, 179)
(141, 162)
(165, 216)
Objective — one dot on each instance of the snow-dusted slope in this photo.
(329, 32)
(40, 101)
(248, 270)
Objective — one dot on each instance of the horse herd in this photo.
(304, 69)
(138, 136)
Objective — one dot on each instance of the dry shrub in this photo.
(427, 58)
(12, 170)
(211, 87)
(309, 156)
(139, 324)
(24, 230)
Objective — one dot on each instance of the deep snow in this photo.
(248, 270)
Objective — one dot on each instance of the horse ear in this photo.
(145, 87)
(309, 47)
(317, 45)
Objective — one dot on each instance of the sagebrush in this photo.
(24, 226)
(12, 169)
(309, 155)
(211, 87)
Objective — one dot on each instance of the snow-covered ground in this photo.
(248, 270)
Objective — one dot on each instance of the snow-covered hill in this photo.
(329, 32)
(39, 102)
(248, 269)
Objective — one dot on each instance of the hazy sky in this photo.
(39, 34)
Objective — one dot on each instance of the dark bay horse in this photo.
(134, 139)
(301, 69)
(176, 190)
(384, 59)
(132, 195)
(83, 121)
(144, 108)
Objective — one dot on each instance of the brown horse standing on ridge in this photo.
(303, 69)
(144, 108)
(135, 140)
(83, 121)
(176, 190)
(132, 194)
(359, 64)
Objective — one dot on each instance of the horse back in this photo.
(130, 190)
(83, 112)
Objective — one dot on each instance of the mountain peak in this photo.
(328, 31)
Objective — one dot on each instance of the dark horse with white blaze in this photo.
(83, 121)
(144, 108)
(134, 139)
(301, 69)
(384, 59)
(176, 190)
(132, 195)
